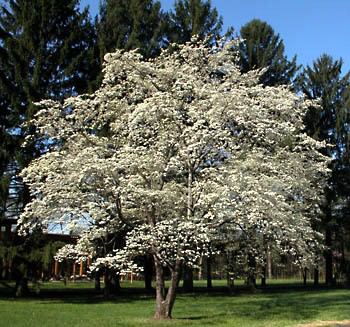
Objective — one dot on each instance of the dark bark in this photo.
(97, 279)
(107, 287)
(209, 276)
(304, 276)
(21, 288)
(251, 279)
(328, 257)
(230, 282)
(251, 282)
(115, 282)
(148, 272)
(112, 284)
(343, 257)
(347, 272)
(316, 277)
(188, 279)
(265, 273)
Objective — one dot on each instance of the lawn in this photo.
(274, 307)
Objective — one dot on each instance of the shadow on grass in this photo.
(290, 305)
(295, 305)
(205, 307)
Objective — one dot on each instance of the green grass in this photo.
(275, 307)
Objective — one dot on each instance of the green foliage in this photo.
(46, 51)
(4, 188)
(192, 17)
(324, 81)
(27, 256)
(262, 48)
(47, 43)
(130, 24)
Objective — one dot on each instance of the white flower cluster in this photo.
(119, 261)
(174, 153)
(175, 240)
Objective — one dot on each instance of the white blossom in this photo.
(174, 153)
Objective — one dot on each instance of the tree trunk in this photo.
(115, 283)
(251, 280)
(347, 272)
(148, 272)
(112, 284)
(230, 282)
(21, 287)
(328, 257)
(265, 272)
(97, 281)
(107, 287)
(316, 277)
(165, 300)
(304, 276)
(209, 276)
(188, 279)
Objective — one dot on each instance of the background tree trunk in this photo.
(251, 279)
(304, 276)
(188, 279)
(112, 283)
(148, 272)
(230, 282)
(97, 281)
(328, 257)
(316, 277)
(209, 276)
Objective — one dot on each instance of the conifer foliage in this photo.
(324, 81)
(46, 47)
(130, 24)
(263, 48)
(192, 17)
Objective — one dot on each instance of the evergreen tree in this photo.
(324, 81)
(8, 119)
(262, 48)
(127, 24)
(193, 17)
(47, 51)
(49, 43)
(130, 24)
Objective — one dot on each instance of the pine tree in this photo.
(46, 52)
(130, 24)
(324, 81)
(262, 48)
(193, 17)
(127, 24)
(8, 119)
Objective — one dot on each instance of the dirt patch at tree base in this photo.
(327, 323)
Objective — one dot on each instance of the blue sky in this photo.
(308, 27)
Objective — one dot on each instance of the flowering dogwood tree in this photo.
(170, 154)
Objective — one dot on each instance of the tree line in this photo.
(53, 50)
